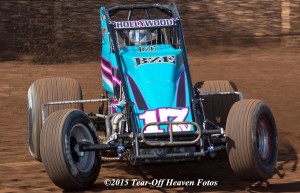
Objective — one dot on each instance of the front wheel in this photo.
(67, 166)
(251, 137)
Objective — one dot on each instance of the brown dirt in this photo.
(268, 74)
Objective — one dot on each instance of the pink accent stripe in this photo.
(106, 69)
(108, 82)
(107, 79)
(105, 62)
(116, 80)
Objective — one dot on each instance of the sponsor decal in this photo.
(147, 49)
(159, 59)
(144, 23)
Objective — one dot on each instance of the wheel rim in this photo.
(84, 161)
(263, 138)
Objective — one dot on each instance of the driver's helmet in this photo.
(142, 36)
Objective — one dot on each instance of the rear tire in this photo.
(216, 107)
(48, 90)
(67, 166)
(251, 137)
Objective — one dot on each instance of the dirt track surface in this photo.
(272, 75)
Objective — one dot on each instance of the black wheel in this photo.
(251, 137)
(217, 106)
(48, 90)
(67, 166)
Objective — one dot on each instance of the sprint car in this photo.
(149, 111)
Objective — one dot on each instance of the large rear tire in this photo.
(48, 90)
(251, 137)
(67, 166)
(217, 106)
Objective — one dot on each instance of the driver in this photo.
(142, 37)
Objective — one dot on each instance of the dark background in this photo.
(68, 30)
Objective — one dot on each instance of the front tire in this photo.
(67, 166)
(251, 137)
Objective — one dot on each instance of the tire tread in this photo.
(52, 152)
(239, 130)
